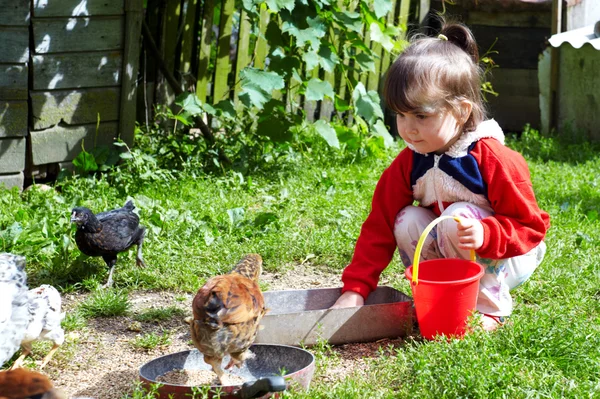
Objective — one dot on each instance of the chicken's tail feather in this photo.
(250, 266)
(129, 206)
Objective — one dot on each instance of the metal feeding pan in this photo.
(298, 317)
(273, 368)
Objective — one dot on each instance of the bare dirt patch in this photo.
(101, 362)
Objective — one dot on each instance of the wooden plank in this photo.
(60, 143)
(12, 180)
(77, 34)
(14, 44)
(74, 106)
(134, 12)
(13, 81)
(202, 76)
(518, 48)
(223, 64)
(262, 47)
(77, 8)
(518, 102)
(168, 47)
(13, 118)
(386, 58)
(311, 106)
(190, 31)
(525, 19)
(12, 154)
(243, 48)
(579, 92)
(15, 12)
(74, 70)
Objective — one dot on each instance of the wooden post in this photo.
(131, 56)
(555, 64)
(223, 64)
(261, 43)
(243, 58)
(190, 31)
(202, 77)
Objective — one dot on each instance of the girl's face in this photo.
(429, 131)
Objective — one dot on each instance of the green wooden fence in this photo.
(205, 45)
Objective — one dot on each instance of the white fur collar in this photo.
(486, 129)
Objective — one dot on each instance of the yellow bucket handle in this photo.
(415, 271)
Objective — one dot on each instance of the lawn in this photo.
(308, 206)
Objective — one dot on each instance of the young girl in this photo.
(455, 164)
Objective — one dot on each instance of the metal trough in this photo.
(297, 317)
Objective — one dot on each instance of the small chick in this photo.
(227, 312)
(44, 304)
(25, 384)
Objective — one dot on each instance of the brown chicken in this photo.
(227, 311)
(22, 383)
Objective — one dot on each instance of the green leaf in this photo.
(311, 59)
(226, 108)
(325, 130)
(341, 105)
(312, 34)
(268, 81)
(367, 104)
(278, 5)
(380, 37)
(236, 215)
(284, 64)
(85, 162)
(327, 57)
(382, 7)
(258, 85)
(379, 129)
(349, 20)
(365, 62)
(189, 102)
(316, 89)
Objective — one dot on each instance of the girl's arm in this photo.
(518, 224)
(376, 243)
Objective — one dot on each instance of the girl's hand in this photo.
(349, 299)
(470, 234)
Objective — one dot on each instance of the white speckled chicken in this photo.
(14, 316)
(227, 312)
(26, 315)
(44, 305)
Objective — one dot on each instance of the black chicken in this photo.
(108, 233)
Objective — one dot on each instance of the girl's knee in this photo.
(411, 220)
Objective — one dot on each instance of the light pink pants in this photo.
(501, 275)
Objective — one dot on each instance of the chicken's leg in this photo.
(138, 260)
(19, 362)
(216, 366)
(49, 355)
(110, 262)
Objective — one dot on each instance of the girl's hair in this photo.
(434, 72)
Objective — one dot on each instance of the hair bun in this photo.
(462, 36)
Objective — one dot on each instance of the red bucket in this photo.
(444, 290)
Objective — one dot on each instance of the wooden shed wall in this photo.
(14, 56)
(518, 32)
(78, 66)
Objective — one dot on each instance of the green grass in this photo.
(159, 314)
(105, 303)
(151, 340)
(201, 225)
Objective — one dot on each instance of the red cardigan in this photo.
(517, 226)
